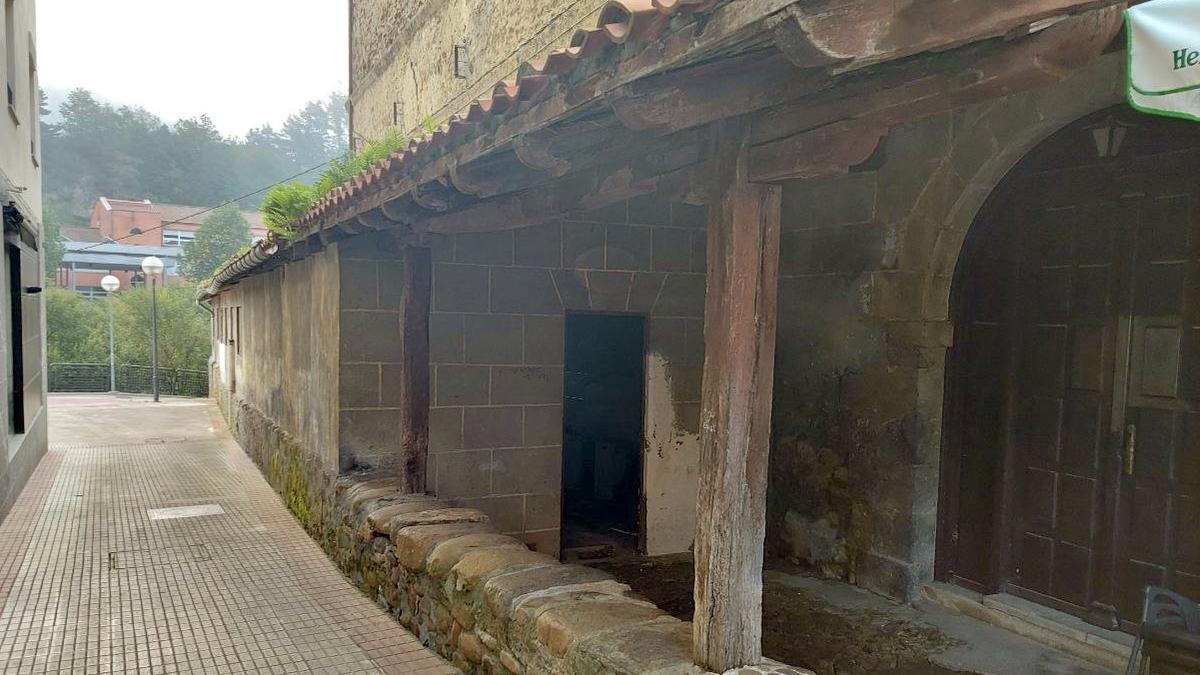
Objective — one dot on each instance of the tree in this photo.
(98, 149)
(51, 241)
(183, 327)
(76, 328)
(219, 237)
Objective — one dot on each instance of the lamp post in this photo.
(153, 267)
(110, 284)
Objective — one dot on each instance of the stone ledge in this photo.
(481, 599)
(489, 604)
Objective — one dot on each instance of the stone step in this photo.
(1044, 625)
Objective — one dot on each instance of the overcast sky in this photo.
(243, 62)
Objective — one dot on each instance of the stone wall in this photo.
(283, 357)
(402, 52)
(867, 263)
(496, 347)
(479, 598)
(372, 274)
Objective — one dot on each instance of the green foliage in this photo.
(430, 125)
(183, 327)
(284, 204)
(51, 241)
(98, 149)
(219, 236)
(76, 328)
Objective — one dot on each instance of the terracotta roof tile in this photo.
(619, 22)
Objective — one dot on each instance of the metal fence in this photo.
(93, 377)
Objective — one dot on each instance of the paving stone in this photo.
(504, 591)
(560, 627)
(379, 519)
(475, 566)
(440, 516)
(415, 543)
(639, 648)
(246, 590)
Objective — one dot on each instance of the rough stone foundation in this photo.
(481, 599)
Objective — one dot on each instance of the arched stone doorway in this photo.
(1071, 450)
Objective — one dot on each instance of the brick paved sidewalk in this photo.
(102, 572)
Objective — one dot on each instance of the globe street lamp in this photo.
(110, 284)
(153, 267)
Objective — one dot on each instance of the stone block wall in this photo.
(284, 359)
(402, 54)
(496, 351)
(489, 604)
(866, 267)
(371, 281)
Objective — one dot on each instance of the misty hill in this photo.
(91, 147)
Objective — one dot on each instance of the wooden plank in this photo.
(414, 383)
(862, 33)
(821, 153)
(735, 415)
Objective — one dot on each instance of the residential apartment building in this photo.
(22, 319)
(121, 232)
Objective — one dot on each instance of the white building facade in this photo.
(22, 309)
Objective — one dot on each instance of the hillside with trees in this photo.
(93, 148)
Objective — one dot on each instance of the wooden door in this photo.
(1158, 486)
(1064, 387)
(1073, 403)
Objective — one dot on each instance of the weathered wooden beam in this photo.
(414, 383)
(821, 153)
(862, 33)
(578, 190)
(922, 86)
(735, 413)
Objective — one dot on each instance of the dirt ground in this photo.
(798, 629)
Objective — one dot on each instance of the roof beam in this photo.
(860, 33)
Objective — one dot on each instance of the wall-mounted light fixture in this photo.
(1109, 136)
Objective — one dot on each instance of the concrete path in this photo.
(146, 541)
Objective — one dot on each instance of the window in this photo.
(10, 53)
(177, 237)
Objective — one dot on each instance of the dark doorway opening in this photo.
(602, 434)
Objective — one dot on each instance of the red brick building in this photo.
(136, 229)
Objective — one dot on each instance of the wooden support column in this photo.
(414, 384)
(735, 415)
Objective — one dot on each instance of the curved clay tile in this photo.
(588, 42)
(620, 22)
(632, 20)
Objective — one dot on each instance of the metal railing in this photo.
(132, 379)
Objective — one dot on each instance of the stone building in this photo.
(22, 316)
(901, 293)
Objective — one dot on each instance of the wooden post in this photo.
(414, 384)
(735, 417)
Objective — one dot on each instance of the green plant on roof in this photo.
(431, 125)
(285, 204)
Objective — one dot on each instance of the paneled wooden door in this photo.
(1105, 445)
(1157, 490)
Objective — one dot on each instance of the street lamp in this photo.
(153, 267)
(110, 284)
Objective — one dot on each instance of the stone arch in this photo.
(1010, 127)
(988, 141)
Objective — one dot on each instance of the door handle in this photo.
(1130, 448)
